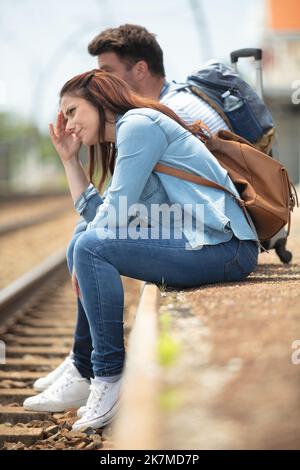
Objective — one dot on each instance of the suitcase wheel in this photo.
(284, 255)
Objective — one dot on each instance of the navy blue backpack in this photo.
(237, 103)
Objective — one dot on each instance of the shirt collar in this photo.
(164, 89)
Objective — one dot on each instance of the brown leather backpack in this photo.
(263, 184)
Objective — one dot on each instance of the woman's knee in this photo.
(70, 250)
(83, 246)
(80, 227)
(90, 243)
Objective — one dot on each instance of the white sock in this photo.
(109, 379)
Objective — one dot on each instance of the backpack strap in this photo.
(200, 93)
(194, 89)
(195, 179)
(205, 182)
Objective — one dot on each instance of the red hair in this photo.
(106, 91)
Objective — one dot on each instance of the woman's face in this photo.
(82, 119)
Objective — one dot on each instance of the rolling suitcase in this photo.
(278, 242)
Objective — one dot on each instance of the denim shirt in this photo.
(145, 137)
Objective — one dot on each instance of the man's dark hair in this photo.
(131, 43)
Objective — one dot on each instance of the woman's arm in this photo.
(76, 177)
(141, 143)
(68, 146)
(88, 202)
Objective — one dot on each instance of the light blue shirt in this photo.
(145, 137)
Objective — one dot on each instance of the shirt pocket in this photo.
(251, 251)
(243, 263)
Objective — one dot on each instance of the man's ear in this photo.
(141, 69)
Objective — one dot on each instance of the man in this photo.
(133, 54)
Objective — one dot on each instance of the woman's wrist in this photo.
(72, 162)
(76, 176)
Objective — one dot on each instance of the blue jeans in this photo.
(99, 262)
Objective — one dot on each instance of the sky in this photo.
(44, 43)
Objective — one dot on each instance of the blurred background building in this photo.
(281, 44)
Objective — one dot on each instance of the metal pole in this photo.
(259, 80)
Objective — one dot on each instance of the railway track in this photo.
(20, 213)
(27, 245)
(36, 326)
(204, 369)
(38, 333)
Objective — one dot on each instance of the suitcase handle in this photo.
(248, 52)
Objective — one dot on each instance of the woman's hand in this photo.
(66, 143)
(75, 283)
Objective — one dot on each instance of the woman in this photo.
(205, 239)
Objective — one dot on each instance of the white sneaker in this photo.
(44, 382)
(102, 405)
(70, 390)
(81, 411)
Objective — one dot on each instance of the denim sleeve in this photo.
(140, 142)
(88, 203)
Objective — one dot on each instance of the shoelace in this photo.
(60, 384)
(95, 399)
